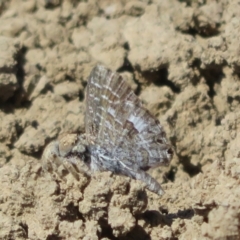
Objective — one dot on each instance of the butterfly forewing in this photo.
(121, 124)
(106, 91)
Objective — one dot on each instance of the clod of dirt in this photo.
(8, 67)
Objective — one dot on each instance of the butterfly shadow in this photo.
(157, 218)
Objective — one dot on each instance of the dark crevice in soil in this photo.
(73, 214)
(137, 233)
(189, 168)
(127, 67)
(53, 237)
(107, 231)
(160, 78)
(213, 76)
(170, 175)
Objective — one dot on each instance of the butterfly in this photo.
(120, 136)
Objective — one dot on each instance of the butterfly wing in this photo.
(105, 91)
(117, 119)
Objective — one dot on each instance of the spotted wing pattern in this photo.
(124, 137)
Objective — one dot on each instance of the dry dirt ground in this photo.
(183, 60)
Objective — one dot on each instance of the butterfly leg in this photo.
(50, 160)
(69, 167)
(74, 164)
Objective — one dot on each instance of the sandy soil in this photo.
(182, 59)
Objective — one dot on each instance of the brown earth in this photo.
(181, 57)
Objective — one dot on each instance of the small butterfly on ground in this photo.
(121, 135)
